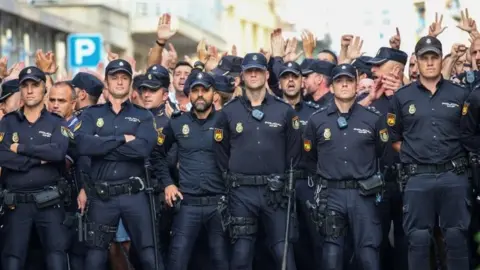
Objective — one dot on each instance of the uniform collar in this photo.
(194, 117)
(332, 108)
(21, 115)
(125, 105)
(421, 86)
(265, 100)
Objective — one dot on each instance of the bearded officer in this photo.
(200, 187)
(118, 136)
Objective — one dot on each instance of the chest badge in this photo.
(327, 134)
(384, 135)
(100, 122)
(465, 109)
(239, 127)
(295, 122)
(412, 109)
(160, 138)
(391, 119)
(15, 137)
(307, 145)
(2, 134)
(185, 129)
(218, 135)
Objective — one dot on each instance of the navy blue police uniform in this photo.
(200, 182)
(90, 84)
(428, 127)
(392, 256)
(309, 242)
(117, 187)
(33, 183)
(257, 148)
(352, 143)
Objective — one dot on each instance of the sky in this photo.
(367, 18)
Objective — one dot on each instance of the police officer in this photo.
(424, 125)
(224, 87)
(351, 137)
(229, 65)
(62, 100)
(316, 81)
(261, 138)
(309, 242)
(33, 144)
(201, 187)
(88, 90)
(10, 97)
(118, 136)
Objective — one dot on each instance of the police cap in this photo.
(428, 44)
(86, 81)
(385, 53)
(254, 60)
(9, 88)
(290, 67)
(320, 66)
(224, 84)
(229, 65)
(155, 81)
(118, 65)
(31, 73)
(305, 66)
(344, 70)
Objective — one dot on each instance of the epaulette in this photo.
(373, 110)
(320, 110)
(312, 105)
(56, 114)
(231, 101)
(281, 100)
(139, 107)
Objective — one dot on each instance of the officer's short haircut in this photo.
(335, 59)
(92, 99)
(69, 85)
(182, 63)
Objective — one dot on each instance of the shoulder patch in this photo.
(373, 110)
(66, 132)
(312, 105)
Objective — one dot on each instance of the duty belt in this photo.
(244, 180)
(24, 197)
(120, 187)
(342, 184)
(201, 201)
(459, 164)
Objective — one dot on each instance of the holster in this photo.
(98, 235)
(65, 190)
(224, 213)
(475, 167)
(318, 208)
(402, 177)
(276, 193)
(335, 225)
(372, 185)
(101, 189)
(47, 198)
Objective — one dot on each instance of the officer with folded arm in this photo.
(201, 188)
(118, 136)
(346, 140)
(33, 145)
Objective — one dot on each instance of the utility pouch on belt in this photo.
(222, 209)
(47, 198)
(372, 185)
(9, 199)
(275, 193)
(101, 189)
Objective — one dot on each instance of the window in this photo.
(142, 9)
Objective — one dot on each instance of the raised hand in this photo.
(164, 28)
(436, 28)
(396, 40)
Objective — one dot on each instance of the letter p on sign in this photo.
(84, 50)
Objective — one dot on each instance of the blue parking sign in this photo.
(84, 50)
